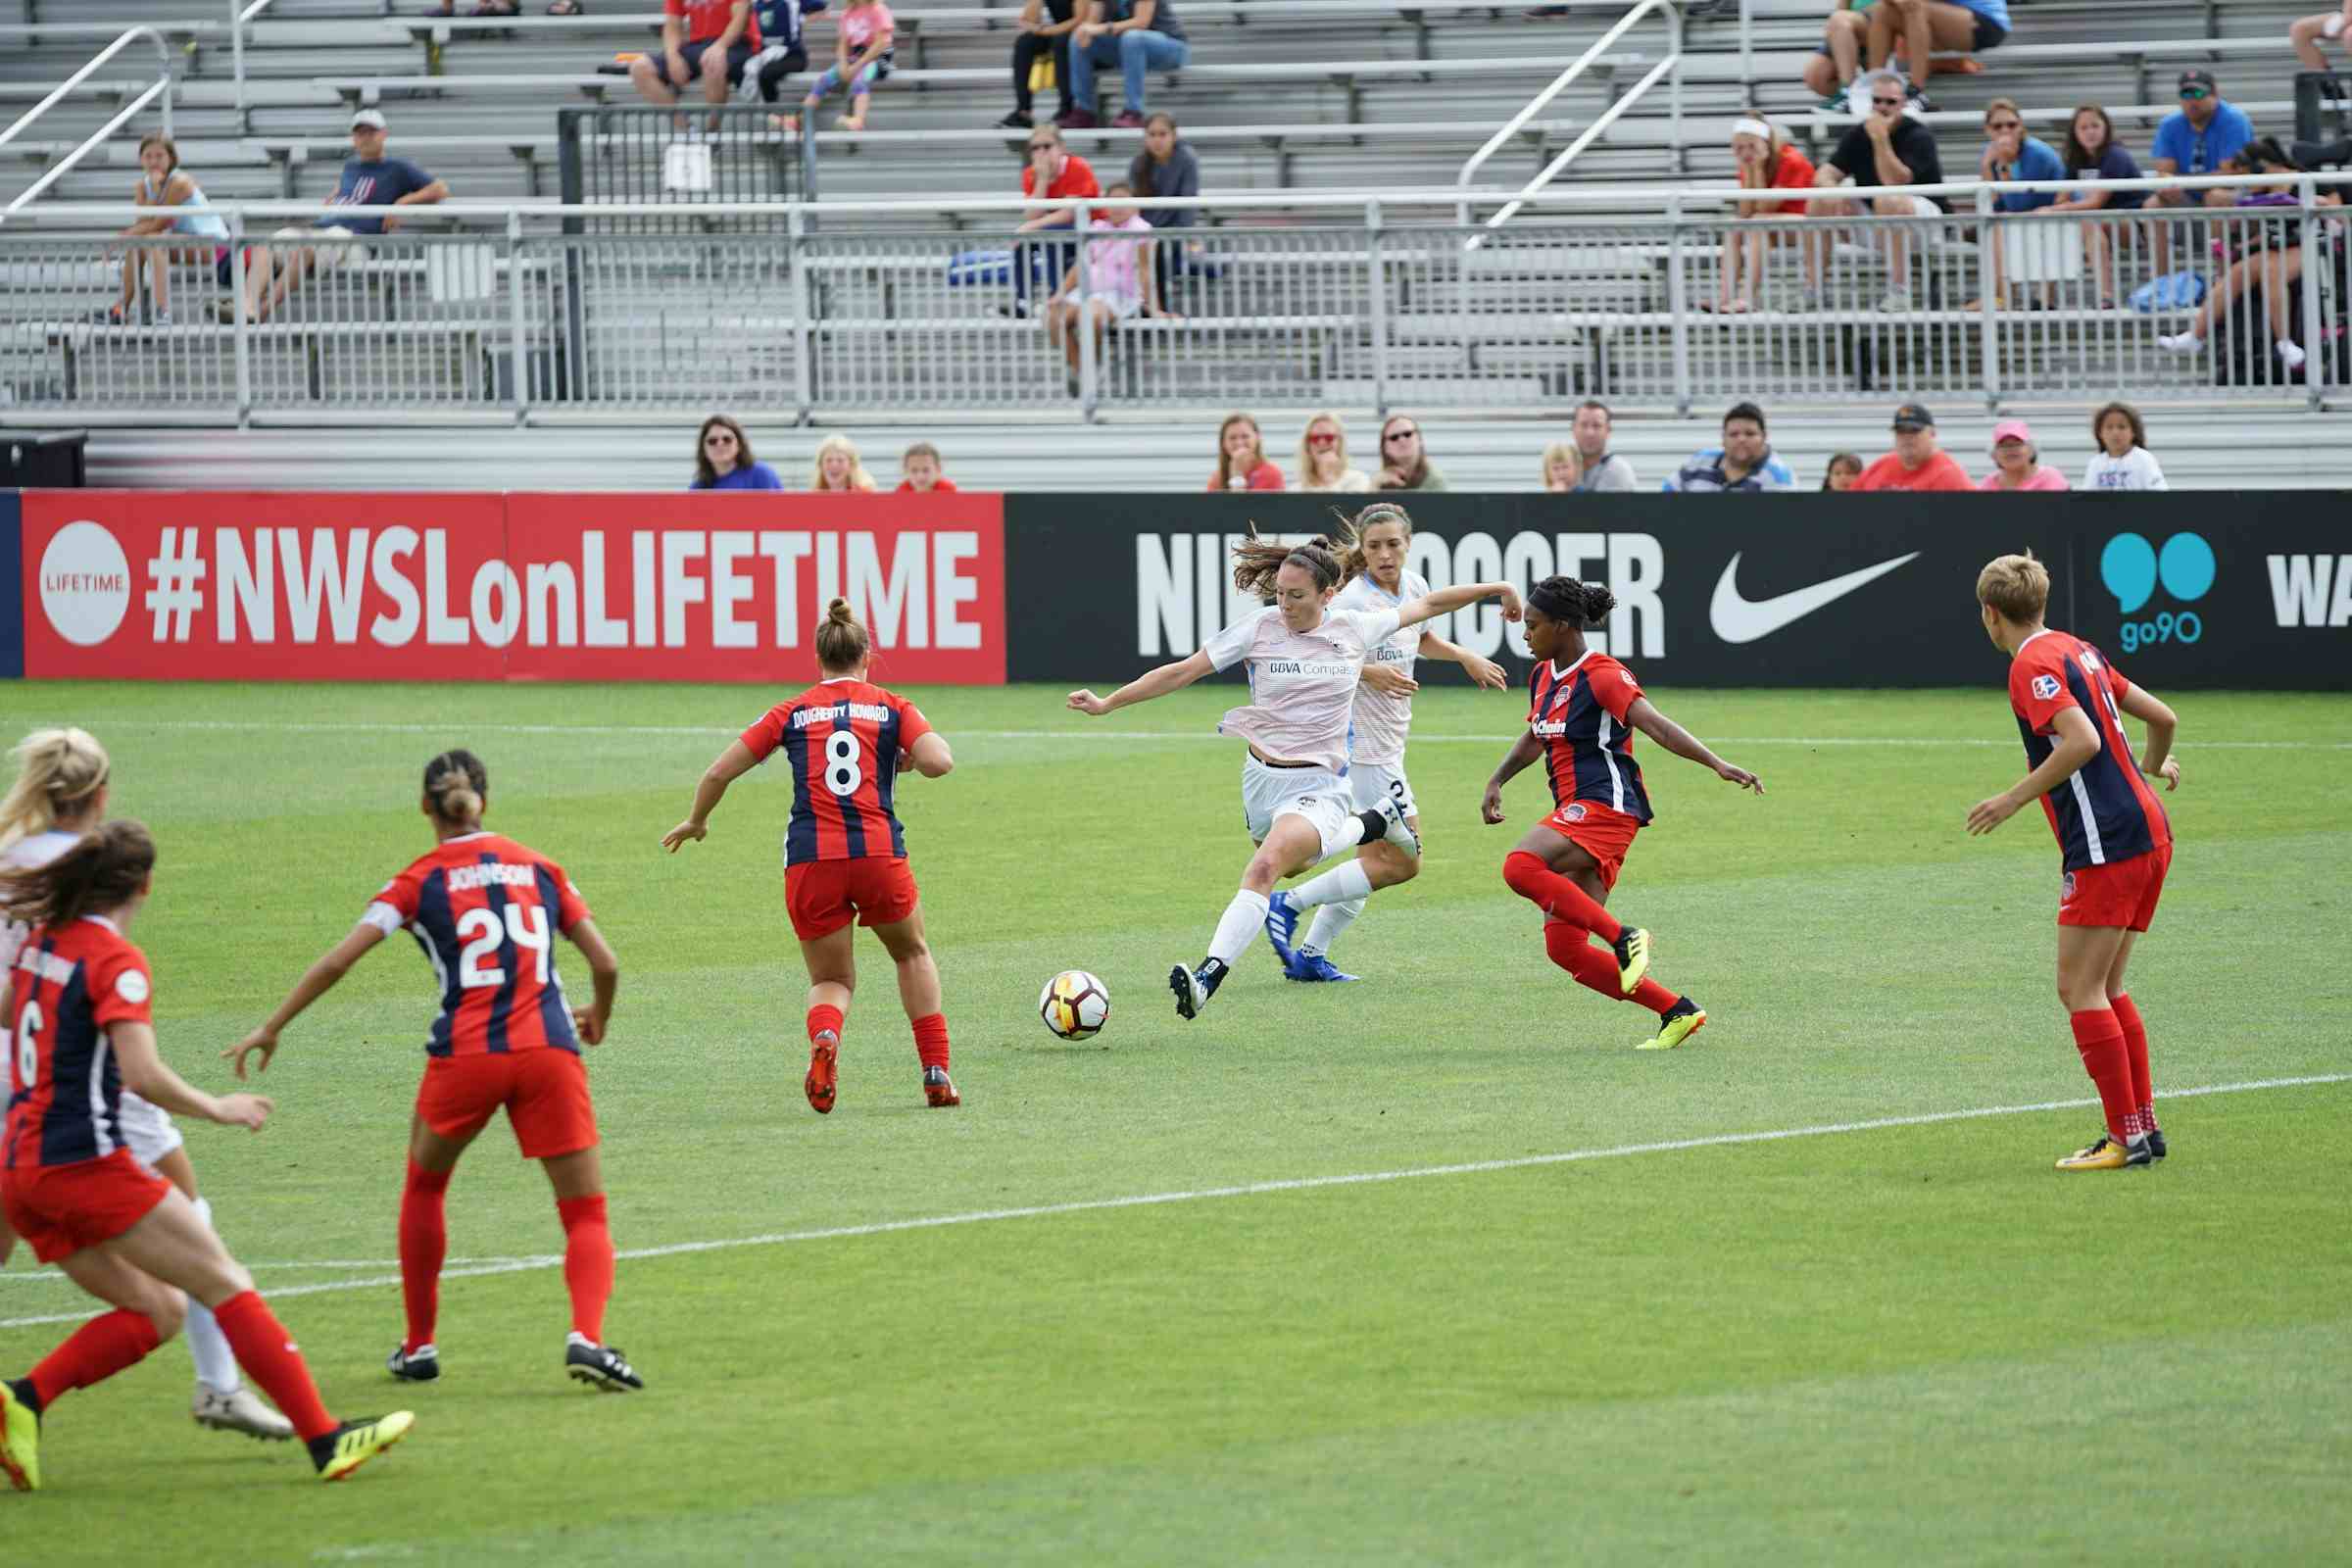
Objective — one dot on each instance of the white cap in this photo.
(372, 119)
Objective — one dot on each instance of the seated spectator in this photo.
(1837, 59)
(2017, 463)
(1241, 458)
(1917, 463)
(722, 460)
(837, 468)
(2091, 155)
(2123, 461)
(921, 471)
(1766, 161)
(783, 38)
(1742, 465)
(1118, 285)
(1323, 458)
(1403, 465)
(1967, 27)
(2010, 154)
(2199, 137)
(1561, 471)
(1597, 467)
(370, 179)
(164, 183)
(704, 41)
(1166, 166)
(2306, 33)
(1044, 29)
(1139, 36)
(863, 56)
(1053, 172)
(2268, 252)
(1887, 148)
(1844, 470)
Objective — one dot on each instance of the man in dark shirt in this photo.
(370, 179)
(1887, 148)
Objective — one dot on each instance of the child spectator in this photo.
(783, 35)
(861, 61)
(1845, 468)
(1117, 284)
(837, 468)
(1561, 469)
(2123, 461)
(2091, 155)
(722, 460)
(1323, 458)
(1241, 458)
(2017, 463)
(165, 184)
(921, 465)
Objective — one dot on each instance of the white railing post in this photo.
(803, 333)
(1747, 52)
(236, 51)
(242, 342)
(1084, 325)
(1376, 298)
(516, 318)
(2316, 278)
(1676, 301)
(1989, 336)
(1673, 86)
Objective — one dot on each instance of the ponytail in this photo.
(1332, 559)
(458, 785)
(842, 644)
(106, 868)
(1581, 605)
(58, 772)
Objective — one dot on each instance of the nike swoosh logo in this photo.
(1744, 620)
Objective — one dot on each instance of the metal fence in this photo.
(704, 165)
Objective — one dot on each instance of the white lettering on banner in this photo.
(885, 598)
(441, 628)
(729, 588)
(553, 587)
(603, 630)
(786, 548)
(951, 587)
(678, 588)
(495, 628)
(247, 586)
(2299, 590)
(322, 579)
(1184, 593)
(641, 564)
(394, 630)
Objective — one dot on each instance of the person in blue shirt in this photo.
(2093, 155)
(783, 29)
(2197, 138)
(722, 460)
(1967, 27)
(370, 179)
(2009, 155)
(1742, 465)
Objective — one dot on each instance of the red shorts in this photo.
(1599, 831)
(823, 896)
(2121, 893)
(59, 1209)
(544, 1092)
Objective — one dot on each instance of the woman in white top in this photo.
(1323, 458)
(1305, 658)
(164, 183)
(2123, 461)
(1377, 727)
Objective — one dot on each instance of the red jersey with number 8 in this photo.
(487, 911)
(64, 1088)
(842, 739)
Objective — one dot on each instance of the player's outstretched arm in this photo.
(1525, 750)
(1154, 683)
(1483, 671)
(1441, 601)
(1646, 717)
(931, 757)
(2078, 743)
(2157, 761)
(731, 764)
(145, 1075)
(315, 981)
(604, 973)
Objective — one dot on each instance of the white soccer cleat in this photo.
(1401, 832)
(239, 1411)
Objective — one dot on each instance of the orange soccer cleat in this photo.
(939, 1090)
(819, 1083)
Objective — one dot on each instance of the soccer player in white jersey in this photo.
(59, 795)
(1304, 659)
(1382, 715)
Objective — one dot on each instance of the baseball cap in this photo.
(2012, 430)
(1913, 416)
(2197, 83)
(372, 119)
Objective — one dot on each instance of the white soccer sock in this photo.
(216, 1362)
(1350, 881)
(1329, 921)
(1243, 919)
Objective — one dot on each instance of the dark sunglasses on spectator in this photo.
(718, 439)
(2006, 125)
(1322, 439)
(2193, 94)
(1885, 103)
(1401, 435)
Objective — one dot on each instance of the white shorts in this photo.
(148, 1131)
(1313, 793)
(1370, 784)
(326, 258)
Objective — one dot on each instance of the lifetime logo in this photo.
(85, 583)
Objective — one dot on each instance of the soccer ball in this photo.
(1074, 1004)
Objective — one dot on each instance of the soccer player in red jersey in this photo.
(486, 911)
(72, 1188)
(1584, 707)
(846, 740)
(2113, 836)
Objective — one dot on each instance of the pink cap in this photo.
(2012, 430)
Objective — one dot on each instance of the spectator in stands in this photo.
(783, 38)
(1403, 465)
(1917, 463)
(1599, 469)
(1743, 465)
(706, 41)
(837, 468)
(2268, 252)
(1323, 458)
(1118, 285)
(1166, 166)
(2306, 35)
(1837, 59)
(370, 179)
(1139, 36)
(1766, 161)
(1053, 172)
(2197, 138)
(2010, 154)
(1844, 470)
(863, 56)
(1241, 458)
(1044, 29)
(2123, 461)
(921, 471)
(1561, 469)
(2017, 463)
(2093, 154)
(164, 183)
(1887, 148)
(722, 460)
(1968, 27)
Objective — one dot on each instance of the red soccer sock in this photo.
(587, 1262)
(2099, 1039)
(1528, 877)
(94, 1353)
(1595, 968)
(2135, 1046)
(822, 1018)
(424, 1244)
(931, 1039)
(272, 1359)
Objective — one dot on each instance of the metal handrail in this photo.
(161, 86)
(1534, 106)
(236, 42)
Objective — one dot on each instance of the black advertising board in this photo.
(2185, 589)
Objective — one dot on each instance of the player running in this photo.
(845, 855)
(1304, 658)
(1376, 730)
(486, 911)
(2113, 836)
(76, 1193)
(1583, 710)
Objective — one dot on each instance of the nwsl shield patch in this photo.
(2045, 687)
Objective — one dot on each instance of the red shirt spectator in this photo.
(1917, 463)
(1075, 178)
(707, 19)
(1793, 171)
(946, 488)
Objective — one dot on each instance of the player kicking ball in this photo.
(2112, 832)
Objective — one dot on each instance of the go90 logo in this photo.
(2132, 568)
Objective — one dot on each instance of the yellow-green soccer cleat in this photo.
(2108, 1155)
(1632, 948)
(352, 1444)
(20, 1441)
(1678, 1024)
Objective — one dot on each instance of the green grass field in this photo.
(1128, 1304)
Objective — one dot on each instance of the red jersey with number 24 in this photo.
(64, 1088)
(487, 911)
(1579, 713)
(840, 739)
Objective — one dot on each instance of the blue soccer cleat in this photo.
(1282, 928)
(1314, 966)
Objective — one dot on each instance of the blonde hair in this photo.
(859, 480)
(842, 644)
(2017, 587)
(58, 774)
(1310, 477)
(1554, 453)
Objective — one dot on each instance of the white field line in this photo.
(1260, 1188)
(50, 1276)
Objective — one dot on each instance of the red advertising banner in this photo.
(185, 585)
